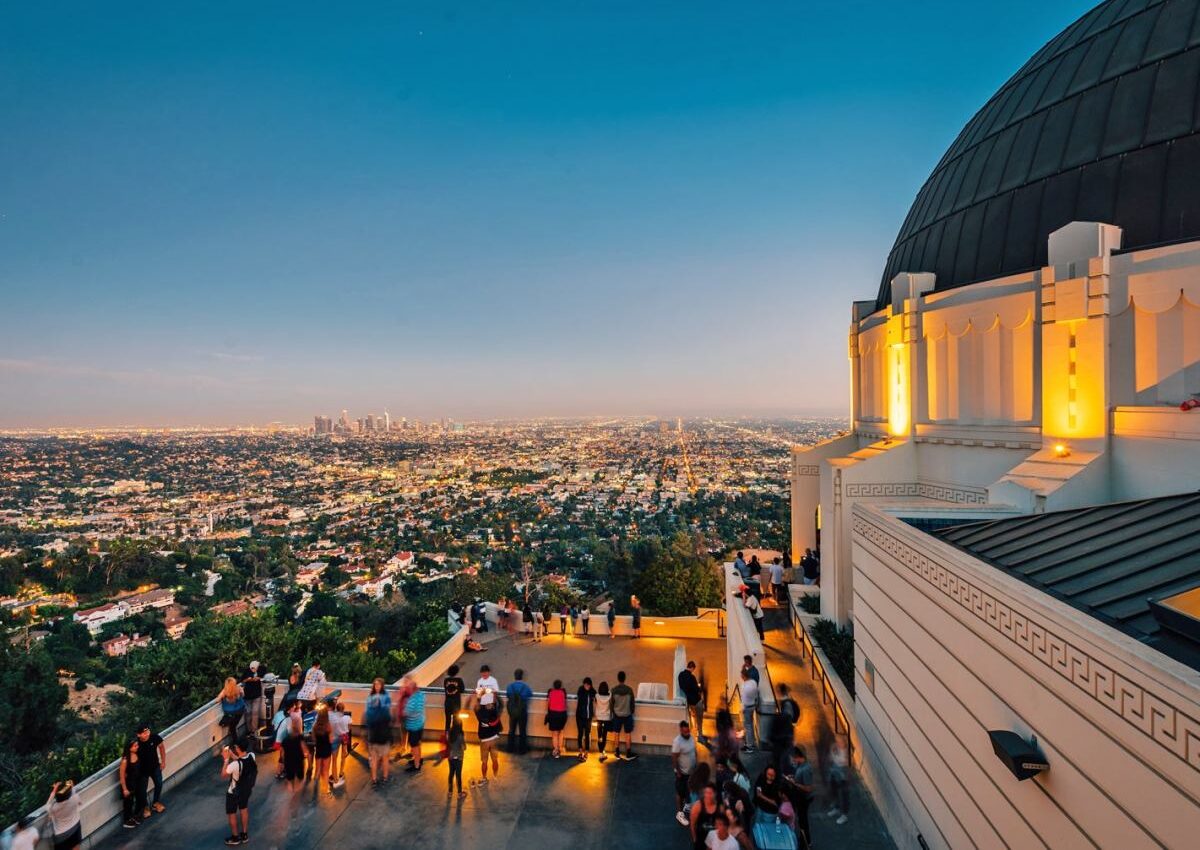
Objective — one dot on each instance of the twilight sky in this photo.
(235, 213)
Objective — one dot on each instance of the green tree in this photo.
(36, 699)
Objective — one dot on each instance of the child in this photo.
(456, 746)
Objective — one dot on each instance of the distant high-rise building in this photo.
(345, 421)
(679, 424)
(322, 425)
(387, 420)
(663, 427)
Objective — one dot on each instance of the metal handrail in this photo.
(820, 675)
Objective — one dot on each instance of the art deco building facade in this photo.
(1013, 528)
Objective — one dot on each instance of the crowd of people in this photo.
(534, 619)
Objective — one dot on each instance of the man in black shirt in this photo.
(689, 686)
(252, 692)
(151, 759)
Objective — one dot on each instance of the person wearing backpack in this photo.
(242, 770)
(518, 695)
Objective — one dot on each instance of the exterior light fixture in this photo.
(659, 623)
(1062, 450)
(1021, 757)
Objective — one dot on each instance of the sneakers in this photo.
(340, 782)
(747, 749)
(462, 794)
(245, 838)
(604, 757)
(631, 756)
(130, 824)
(159, 807)
(681, 818)
(841, 820)
(233, 841)
(412, 768)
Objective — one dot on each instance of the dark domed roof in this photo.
(1100, 125)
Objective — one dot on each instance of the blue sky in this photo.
(236, 213)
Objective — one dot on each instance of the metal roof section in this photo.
(1133, 565)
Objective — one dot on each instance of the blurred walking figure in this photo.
(456, 748)
(748, 694)
(322, 733)
(414, 720)
(839, 780)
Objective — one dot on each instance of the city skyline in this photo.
(475, 212)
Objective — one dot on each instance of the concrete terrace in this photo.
(537, 802)
(571, 657)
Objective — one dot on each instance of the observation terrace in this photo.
(536, 801)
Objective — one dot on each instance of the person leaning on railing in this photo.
(233, 707)
(62, 808)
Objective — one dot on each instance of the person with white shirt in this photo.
(314, 683)
(487, 687)
(776, 569)
(25, 836)
(748, 694)
(756, 612)
(719, 838)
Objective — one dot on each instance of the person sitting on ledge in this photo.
(473, 645)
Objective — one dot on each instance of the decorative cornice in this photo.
(806, 469)
(1167, 725)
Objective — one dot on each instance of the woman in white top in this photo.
(603, 710)
(25, 836)
(63, 809)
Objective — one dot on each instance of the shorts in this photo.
(72, 839)
(414, 736)
(378, 751)
(556, 720)
(236, 800)
(621, 724)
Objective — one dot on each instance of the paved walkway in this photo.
(865, 828)
(537, 802)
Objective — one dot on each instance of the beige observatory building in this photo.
(1012, 527)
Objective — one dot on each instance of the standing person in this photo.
(755, 570)
(379, 731)
(623, 707)
(339, 720)
(323, 735)
(25, 836)
(703, 817)
(751, 603)
(152, 760)
(610, 616)
(585, 615)
(487, 688)
(456, 748)
(62, 808)
(527, 619)
(585, 712)
(726, 743)
(539, 625)
(798, 786)
(748, 695)
(314, 684)
(563, 613)
(636, 605)
(502, 615)
(776, 569)
(252, 691)
(295, 751)
(487, 716)
(720, 838)
(453, 687)
(519, 696)
(839, 780)
(414, 721)
(242, 770)
(683, 760)
(783, 729)
(748, 666)
(295, 682)
(768, 794)
(233, 707)
(556, 715)
(689, 686)
(132, 790)
(603, 709)
(574, 619)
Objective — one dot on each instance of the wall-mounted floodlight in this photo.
(1021, 757)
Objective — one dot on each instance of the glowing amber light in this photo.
(898, 414)
(1062, 450)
